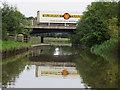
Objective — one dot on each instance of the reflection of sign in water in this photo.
(66, 15)
(56, 71)
(47, 73)
(65, 72)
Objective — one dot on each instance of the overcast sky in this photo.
(30, 7)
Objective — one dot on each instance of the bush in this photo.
(106, 49)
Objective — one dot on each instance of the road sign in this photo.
(66, 15)
(52, 15)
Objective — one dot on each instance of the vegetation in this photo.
(96, 27)
(96, 71)
(11, 68)
(11, 45)
(58, 40)
(107, 49)
(0, 45)
(11, 19)
(12, 22)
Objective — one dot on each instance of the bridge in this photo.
(54, 26)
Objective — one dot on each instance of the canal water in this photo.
(59, 67)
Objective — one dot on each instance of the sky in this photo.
(30, 7)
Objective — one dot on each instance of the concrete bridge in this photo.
(52, 27)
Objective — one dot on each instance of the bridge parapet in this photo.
(55, 23)
(52, 25)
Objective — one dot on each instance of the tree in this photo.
(11, 19)
(94, 26)
(30, 18)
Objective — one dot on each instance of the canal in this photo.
(60, 67)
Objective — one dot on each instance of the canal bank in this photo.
(109, 48)
(11, 48)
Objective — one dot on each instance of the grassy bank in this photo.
(106, 49)
(11, 45)
(58, 40)
(0, 45)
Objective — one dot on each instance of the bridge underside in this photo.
(43, 30)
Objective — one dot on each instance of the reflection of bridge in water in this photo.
(49, 58)
(55, 69)
(56, 56)
(60, 64)
(52, 63)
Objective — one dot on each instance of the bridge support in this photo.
(42, 39)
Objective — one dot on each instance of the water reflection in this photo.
(60, 67)
(57, 52)
(11, 70)
(96, 71)
(56, 70)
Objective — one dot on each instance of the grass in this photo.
(0, 45)
(11, 45)
(58, 40)
(106, 46)
(108, 49)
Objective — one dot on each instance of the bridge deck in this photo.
(48, 27)
(51, 27)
